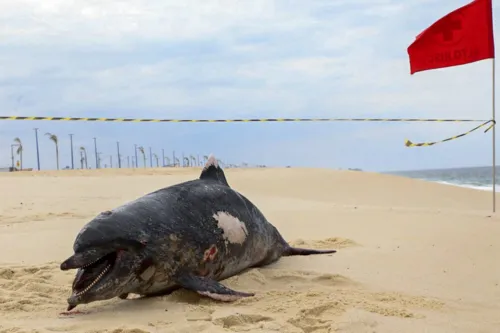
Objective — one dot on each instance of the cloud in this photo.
(228, 59)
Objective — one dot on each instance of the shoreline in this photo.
(186, 170)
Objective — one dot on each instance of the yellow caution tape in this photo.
(408, 143)
(235, 120)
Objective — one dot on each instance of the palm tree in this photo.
(186, 160)
(157, 162)
(84, 151)
(177, 162)
(168, 161)
(53, 138)
(141, 149)
(19, 151)
(82, 158)
(193, 159)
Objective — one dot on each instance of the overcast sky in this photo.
(231, 59)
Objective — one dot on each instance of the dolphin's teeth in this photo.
(97, 279)
(93, 262)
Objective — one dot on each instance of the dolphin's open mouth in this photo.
(91, 274)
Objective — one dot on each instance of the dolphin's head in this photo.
(111, 259)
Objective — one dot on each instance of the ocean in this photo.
(479, 178)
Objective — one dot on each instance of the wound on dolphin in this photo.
(189, 235)
(210, 253)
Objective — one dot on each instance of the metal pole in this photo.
(119, 157)
(135, 146)
(72, 162)
(96, 155)
(163, 157)
(173, 155)
(150, 158)
(37, 150)
(493, 135)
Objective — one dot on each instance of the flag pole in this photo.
(493, 134)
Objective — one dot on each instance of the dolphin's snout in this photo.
(82, 259)
(70, 263)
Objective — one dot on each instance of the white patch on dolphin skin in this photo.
(211, 161)
(148, 273)
(235, 231)
(133, 296)
(220, 297)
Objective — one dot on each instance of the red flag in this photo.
(461, 37)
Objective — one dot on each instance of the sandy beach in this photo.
(413, 256)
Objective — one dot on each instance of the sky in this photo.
(230, 59)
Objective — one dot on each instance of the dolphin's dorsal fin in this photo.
(213, 171)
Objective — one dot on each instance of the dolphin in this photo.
(190, 235)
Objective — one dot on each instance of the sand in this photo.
(412, 256)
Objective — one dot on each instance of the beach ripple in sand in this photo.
(287, 300)
(329, 243)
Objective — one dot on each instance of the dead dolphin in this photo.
(188, 235)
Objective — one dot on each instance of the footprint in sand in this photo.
(27, 289)
(305, 301)
(240, 319)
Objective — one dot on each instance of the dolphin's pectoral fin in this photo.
(207, 287)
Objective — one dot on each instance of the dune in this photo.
(413, 256)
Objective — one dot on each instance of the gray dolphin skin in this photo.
(189, 235)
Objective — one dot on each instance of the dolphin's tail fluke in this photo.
(296, 251)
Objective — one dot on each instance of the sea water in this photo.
(479, 178)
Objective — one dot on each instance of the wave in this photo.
(485, 187)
